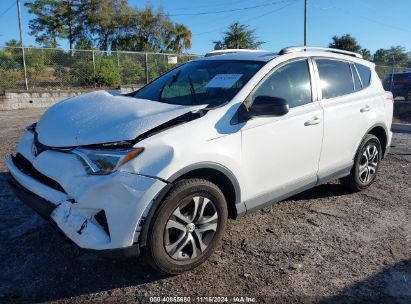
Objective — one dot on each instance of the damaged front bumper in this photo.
(96, 212)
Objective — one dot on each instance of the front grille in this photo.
(38, 147)
(27, 168)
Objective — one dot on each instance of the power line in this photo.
(347, 12)
(227, 11)
(7, 9)
(385, 24)
(255, 17)
(214, 5)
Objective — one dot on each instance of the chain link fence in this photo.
(58, 69)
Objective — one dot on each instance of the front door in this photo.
(281, 154)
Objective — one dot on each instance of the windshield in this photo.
(211, 82)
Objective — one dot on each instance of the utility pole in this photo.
(22, 44)
(305, 22)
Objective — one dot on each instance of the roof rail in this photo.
(229, 51)
(293, 49)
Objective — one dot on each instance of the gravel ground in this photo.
(324, 245)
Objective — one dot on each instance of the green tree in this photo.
(180, 38)
(84, 44)
(152, 30)
(54, 20)
(238, 36)
(345, 42)
(13, 43)
(398, 55)
(381, 56)
(48, 25)
(395, 54)
(105, 19)
(366, 54)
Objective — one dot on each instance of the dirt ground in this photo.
(325, 245)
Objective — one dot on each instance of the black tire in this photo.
(356, 181)
(186, 195)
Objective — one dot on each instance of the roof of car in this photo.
(248, 55)
(258, 55)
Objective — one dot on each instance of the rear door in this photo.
(348, 113)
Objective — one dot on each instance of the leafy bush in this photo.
(81, 73)
(35, 62)
(11, 79)
(8, 61)
(106, 72)
(132, 72)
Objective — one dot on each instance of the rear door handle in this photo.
(365, 109)
(314, 121)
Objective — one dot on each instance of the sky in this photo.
(375, 23)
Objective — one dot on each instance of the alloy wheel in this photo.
(190, 228)
(368, 164)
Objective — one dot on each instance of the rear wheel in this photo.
(187, 227)
(365, 166)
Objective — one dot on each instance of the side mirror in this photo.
(266, 106)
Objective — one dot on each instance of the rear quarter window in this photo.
(365, 74)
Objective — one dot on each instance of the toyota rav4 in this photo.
(160, 170)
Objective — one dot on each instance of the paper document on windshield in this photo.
(225, 81)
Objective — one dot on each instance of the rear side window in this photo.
(365, 74)
(335, 78)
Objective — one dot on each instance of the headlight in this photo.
(105, 161)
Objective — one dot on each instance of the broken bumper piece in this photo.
(101, 213)
(46, 208)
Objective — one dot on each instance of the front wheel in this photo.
(365, 166)
(187, 227)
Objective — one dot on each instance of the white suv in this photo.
(160, 170)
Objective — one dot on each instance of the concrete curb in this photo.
(401, 127)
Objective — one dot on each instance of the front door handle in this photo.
(365, 109)
(312, 122)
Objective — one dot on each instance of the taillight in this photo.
(400, 81)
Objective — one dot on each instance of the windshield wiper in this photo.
(192, 91)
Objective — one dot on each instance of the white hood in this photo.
(102, 117)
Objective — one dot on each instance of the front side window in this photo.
(211, 82)
(290, 82)
(335, 78)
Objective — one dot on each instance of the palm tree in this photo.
(238, 36)
(181, 38)
(366, 54)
